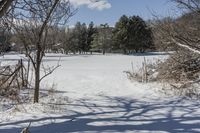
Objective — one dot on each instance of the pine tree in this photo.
(132, 34)
(120, 36)
(83, 37)
(77, 36)
(140, 35)
(90, 36)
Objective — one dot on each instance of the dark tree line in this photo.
(78, 39)
(130, 34)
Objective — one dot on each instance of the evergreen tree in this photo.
(80, 37)
(77, 36)
(132, 34)
(90, 36)
(140, 36)
(120, 36)
(83, 37)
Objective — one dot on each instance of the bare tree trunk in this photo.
(103, 51)
(37, 77)
(22, 73)
(124, 51)
(37, 85)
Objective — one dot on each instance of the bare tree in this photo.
(184, 31)
(189, 40)
(192, 5)
(31, 20)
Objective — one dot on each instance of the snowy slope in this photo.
(100, 99)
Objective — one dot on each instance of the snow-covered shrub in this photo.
(9, 86)
(13, 79)
(182, 72)
(147, 73)
(180, 67)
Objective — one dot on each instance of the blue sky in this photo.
(111, 10)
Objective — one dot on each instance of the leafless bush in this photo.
(189, 89)
(147, 73)
(13, 79)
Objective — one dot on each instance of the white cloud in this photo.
(92, 4)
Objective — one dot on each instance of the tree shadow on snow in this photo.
(150, 54)
(120, 114)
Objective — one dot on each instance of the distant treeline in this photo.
(130, 34)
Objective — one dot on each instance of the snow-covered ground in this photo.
(100, 99)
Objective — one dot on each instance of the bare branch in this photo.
(50, 71)
(186, 46)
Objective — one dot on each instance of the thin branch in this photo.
(50, 72)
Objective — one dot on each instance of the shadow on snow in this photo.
(119, 115)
